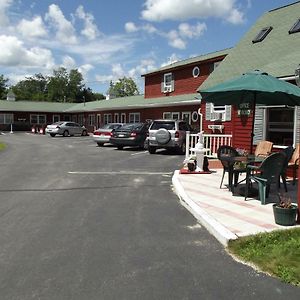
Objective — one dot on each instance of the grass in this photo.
(2, 146)
(277, 253)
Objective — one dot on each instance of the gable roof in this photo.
(189, 61)
(277, 54)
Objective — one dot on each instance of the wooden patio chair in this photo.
(264, 148)
(294, 162)
(288, 151)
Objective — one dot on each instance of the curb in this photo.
(221, 233)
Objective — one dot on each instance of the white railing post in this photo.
(187, 141)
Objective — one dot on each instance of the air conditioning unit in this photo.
(167, 89)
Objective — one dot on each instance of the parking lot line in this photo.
(120, 173)
(141, 152)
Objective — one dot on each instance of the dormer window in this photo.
(262, 34)
(295, 28)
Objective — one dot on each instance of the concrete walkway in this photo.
(224, 215)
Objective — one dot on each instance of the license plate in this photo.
(121, 135)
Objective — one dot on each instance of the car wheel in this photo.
(84, 133)
(100, 144)
(120, 147)
(163, 136)
(66, 133)
(52, 134)
(151, 149)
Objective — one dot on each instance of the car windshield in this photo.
(130, 127)
(57, 123)
(110, 126)
(165, 125)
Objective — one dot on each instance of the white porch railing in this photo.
(210, 141)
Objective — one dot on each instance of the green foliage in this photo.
(62, 86)
(122, 88)
(3, 87)
(277, 253)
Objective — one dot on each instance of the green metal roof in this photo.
(133, 102)
(278, 54)
(191, 60)
(34, 106)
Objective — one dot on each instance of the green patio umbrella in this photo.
(255, 87)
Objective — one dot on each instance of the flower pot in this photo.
(285, 216)
(191, 165)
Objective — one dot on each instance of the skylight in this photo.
(262, 34)
(295, 28)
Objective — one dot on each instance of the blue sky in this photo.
(106, 40)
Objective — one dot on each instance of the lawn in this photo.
(2, 146)
(277, 253)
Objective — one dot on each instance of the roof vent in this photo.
(295, 28)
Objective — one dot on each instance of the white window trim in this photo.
(135, 119)
(55, 116)
(186, 113)
(98, 118)
(7, 116)
(91, 119)
(116, 118)
(107, 118)
(123, 118)
(38, 118)
(218, 114)
(170, 83)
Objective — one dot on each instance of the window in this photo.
(98, 120)
(213, 66)
(186, 116)
(91, 120)
(116, 118)
(134, 117)
(295, 28)
(217, 112)
(6, 118)
(74, 118)
(81, 119)
(171, 115)
(196, 72)
(107, 118)
(37, 119)
(67, 118)
(280, 126)
(167, 84)
(123, 118)
(56, 118)
(262, 34)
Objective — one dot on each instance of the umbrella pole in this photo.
(253, 120)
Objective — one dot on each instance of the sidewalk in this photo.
(224, 215)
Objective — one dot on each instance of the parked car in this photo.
(130, 134)
(66, 128)
(103, 134)
(168, 134)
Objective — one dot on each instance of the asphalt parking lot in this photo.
(79, 221)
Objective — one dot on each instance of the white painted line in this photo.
(142, 152)
(120, 173)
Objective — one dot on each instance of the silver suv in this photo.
(168, 134)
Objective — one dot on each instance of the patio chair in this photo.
(288, 151)
(294, 162)
(268, 172)
(263, 148)
(226, 150)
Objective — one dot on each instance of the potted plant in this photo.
(191, 163)
(285, 212)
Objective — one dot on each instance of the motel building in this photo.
(271, 45)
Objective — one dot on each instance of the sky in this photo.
(109, 39)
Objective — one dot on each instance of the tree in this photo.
(3, 86)
(58, 85)
(32, 88)
(123, 87)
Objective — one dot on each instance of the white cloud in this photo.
(4, 5)
(90, 30)
(145, 66)
(131, 27)
(160, 10)
(188, 31)
(68, 62)
(32, 29)
(14, 53)
(175, 40)
(65, 31)
(84, 69)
